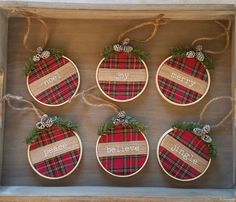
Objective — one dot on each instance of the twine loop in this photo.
(160, 20)
(29, 16)
(9, 98)
(225, 33)
(225, 117)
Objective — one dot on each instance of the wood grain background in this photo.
(83, 41)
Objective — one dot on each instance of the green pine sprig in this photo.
(64, 124)
(179, 52)
(132, 122)
(189, 126)
(30, 66)
(109, 51)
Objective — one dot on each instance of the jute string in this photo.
(225, 117)
(85, 94)
(9, 98)
(160, 20)
(225, 33)
(28, 17)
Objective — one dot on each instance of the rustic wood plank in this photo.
(87, 38)
(3, 64)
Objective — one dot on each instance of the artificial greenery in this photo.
(132, 122)
(30, 66)
(109, 51)
(179, 52)
(57, 121)
(189, 126)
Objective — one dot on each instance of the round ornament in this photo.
(184, 152)
(122, 149)
(183, 78)
(55, 149)
(52, 79)
(122, 75)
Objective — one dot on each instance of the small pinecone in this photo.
(39, 49)
(116, 122)
(200, 56)
(206, 138)
(45, 54)
(126, 41)
(190, 54)
(207, 128)
(125, 123)
(118, 48)
(121, 115)
(36, 58)
(128, 49)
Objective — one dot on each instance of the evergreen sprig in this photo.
(30, 66)
(132, 122)
(189, 126)
(179, 52)
(109, 51)
(58, 121)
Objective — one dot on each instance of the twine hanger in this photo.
(9, 98)
(29, 16)
(160, 20)
(225, 33)
(225, 117)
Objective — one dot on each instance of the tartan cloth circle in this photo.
(56, 153)
(182, 81)
(182, 155)
(122, 77)
(54, 81)
(122, 152)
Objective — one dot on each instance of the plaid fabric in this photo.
(178, 93)
(192, 142)
(177, 167)
(122, 90)
(59, 93)
(59, 165)
(125, 164)
(62, 164)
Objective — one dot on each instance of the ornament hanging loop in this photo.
(155, 24)
(225, 33)
(9, 98)
(29, 16)
(225, 117)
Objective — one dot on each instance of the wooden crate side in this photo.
(3, 64)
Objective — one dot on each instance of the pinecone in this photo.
(121, 115)
(118, 48)
(36, 58)
(128, 49)
(200, 56)
(206, 138)
(190, 54)
(39, 49)
(45, 54)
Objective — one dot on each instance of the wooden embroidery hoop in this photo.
(123, 176)
(127, 100)
(174, 103)
(56, 178)
(159, 161)
(56, 105)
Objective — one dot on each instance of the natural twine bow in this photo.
(29, 16)
(198, 52)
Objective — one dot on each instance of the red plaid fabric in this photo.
(62, 164)
(177, 167)
(122, 90)
(178, 93)
(125, 164)
(59, 93)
